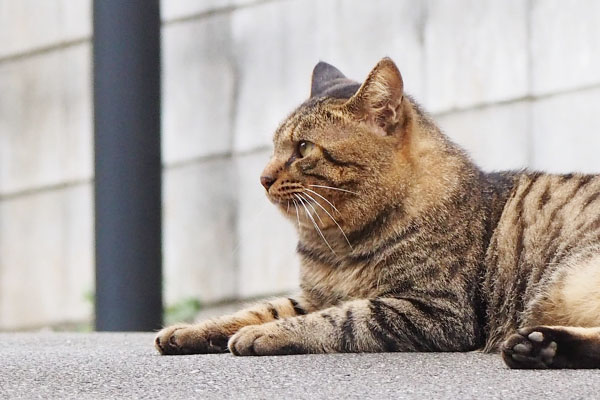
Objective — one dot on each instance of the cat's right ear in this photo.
(379, 99)
(324, 77)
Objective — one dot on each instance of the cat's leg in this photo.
(553, 347)
(377, 325)
(562, 328)
(211, 336)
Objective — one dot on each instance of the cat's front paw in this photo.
(531, 348)
(191, 339)
(264, 340)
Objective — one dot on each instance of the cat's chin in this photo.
(282, 204)
(286, 207)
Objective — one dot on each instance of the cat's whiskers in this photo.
(297, 214)
(328, 202)
(313, 207)
(334, 188)
(301, 200)
(330, 216)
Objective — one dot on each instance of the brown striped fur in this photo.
(407, 246)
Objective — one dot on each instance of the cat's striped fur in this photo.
(407, 246)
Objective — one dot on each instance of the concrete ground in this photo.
(125, 365)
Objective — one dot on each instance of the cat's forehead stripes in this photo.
(285, 129)
(305, 119)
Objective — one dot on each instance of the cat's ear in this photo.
(379, 99)
(325, 79)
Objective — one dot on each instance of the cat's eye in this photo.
(304, 147)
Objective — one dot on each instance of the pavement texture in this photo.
(125, 365)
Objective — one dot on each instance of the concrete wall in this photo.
(516, 82)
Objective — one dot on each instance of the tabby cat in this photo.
(405, 245)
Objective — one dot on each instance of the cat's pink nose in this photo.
(267, 181)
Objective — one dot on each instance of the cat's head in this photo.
(351, 150)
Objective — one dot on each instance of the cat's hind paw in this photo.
(530, 348)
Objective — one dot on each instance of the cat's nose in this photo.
(267, 181)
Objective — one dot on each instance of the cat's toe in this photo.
(242, 343)
(189, 339)
(264, 340)
(529, 348)
(166, 342)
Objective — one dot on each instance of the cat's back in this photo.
(545, 217)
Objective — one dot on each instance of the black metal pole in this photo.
(127, 196)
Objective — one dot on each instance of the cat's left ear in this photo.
(379, 99)
(323, 77)
(328, 81)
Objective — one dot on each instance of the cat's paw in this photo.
(531, 348)
(191, 339)
(263, 340)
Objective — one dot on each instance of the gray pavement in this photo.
(125, 365)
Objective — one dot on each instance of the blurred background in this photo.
(516, 82)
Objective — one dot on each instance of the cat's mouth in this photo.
(307, 200)
(291, 202)
(284, 200)
(300, 204)
(286, 193)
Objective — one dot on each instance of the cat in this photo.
(406, 245)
